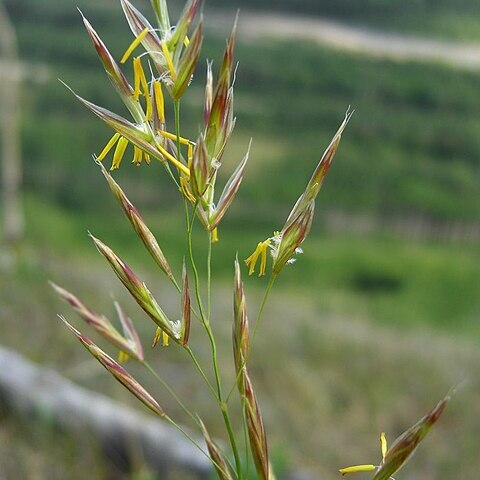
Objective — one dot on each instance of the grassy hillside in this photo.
(441, 18)
(355, 361)
(412, 147)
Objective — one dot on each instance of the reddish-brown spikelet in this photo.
(199, 170)
(122, 126)
(256, 431)
(129, 331)
(219, 462)
(118, 372)
(140, 227)
(188, 63)
(316, 181)
(137, 289)
(101, 324)
(293, 236)
(229, 192)
(406, 444)
(183, 24)
(151, 42)
(208, 93)
(240, 330)
(161, 12)
(111, 67)
(220, 122)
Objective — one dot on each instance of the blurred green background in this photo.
(379, 317)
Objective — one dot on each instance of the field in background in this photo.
(379, 317)
(457, 20)
(411, 149)
(375, 330)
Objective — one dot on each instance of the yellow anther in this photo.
(123, 357)
(367, 468)
(185, 188)
(260, 252)
(136, 42)
(159, 100)
(148, 113)
(141, 80)
(138, 73)
(137, 155)
(156, 337)
(173, 137)
(173, 160)
(108, 146)
(147, 158)
(190, 154)
(165, 339)
(168, 59)
(186, 41)
(383, 443)
(119, 152)
(215, 235)
(357, 469)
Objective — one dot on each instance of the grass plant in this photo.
(161, 75)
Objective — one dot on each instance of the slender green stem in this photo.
(170, 173)
(245, 439)
(196, 276)
(271, 281)
(223, 405)
(202, 373)
(171, 392)
(205, 317)
(209, 276)
(175, 284)
(187, 435)
(231, 436)
(194, 442)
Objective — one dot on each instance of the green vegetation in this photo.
(347, 374)
(439, 18)
(393, 282)
(412, 148)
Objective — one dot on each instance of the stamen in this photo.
(169, 61)
(172, 159)
(159, 100)
(147, 158)
(260, 251)
(357, 469)
(252, 259)
(190, 155)
(141, 81)
(186, 190)
(119, 152)
(165, 339)
(137, 77)
(186, 41)
(134, 45)
(156, 338)
(173, 137)
(383, 443)
(137, 155)
(122, 357)
(148, 113)
(108, 147)
(263, 262)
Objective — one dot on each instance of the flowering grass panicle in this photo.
(170, 56)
